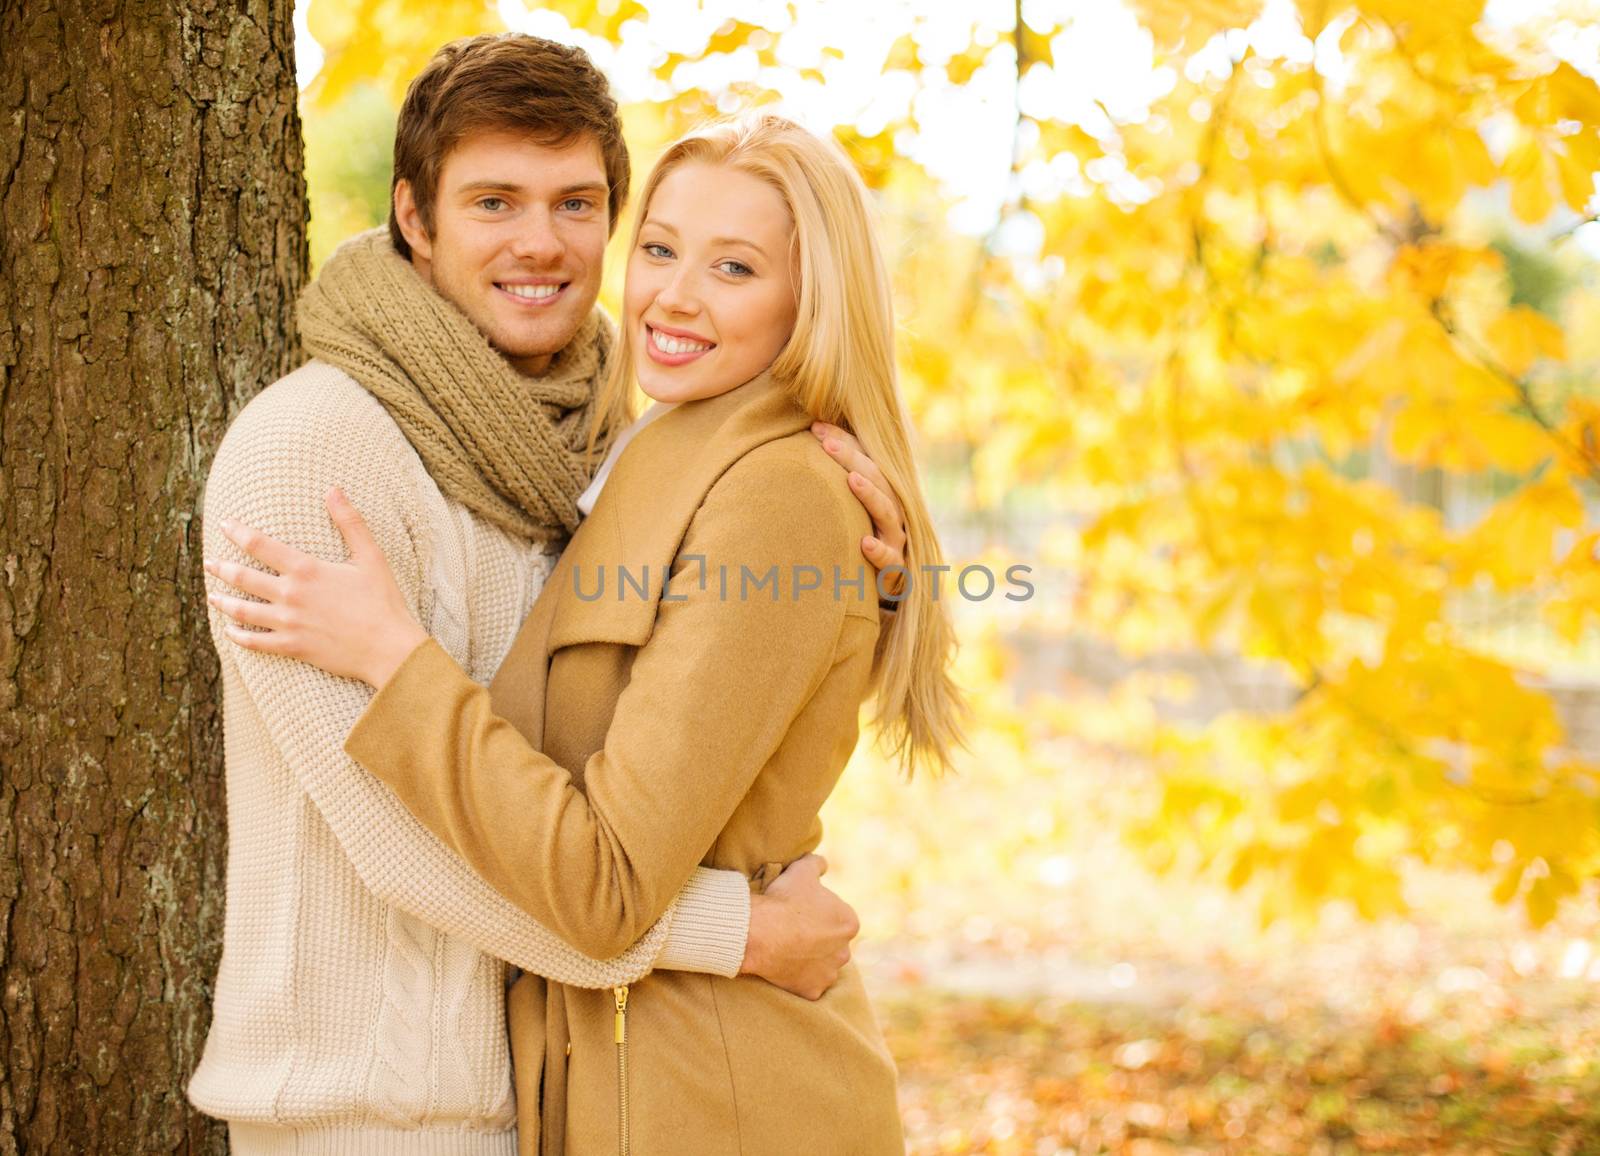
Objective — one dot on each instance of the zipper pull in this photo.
(621, 994)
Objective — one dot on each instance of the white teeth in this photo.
(676, 344)
(532, 292)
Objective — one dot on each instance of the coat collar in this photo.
(643, 514)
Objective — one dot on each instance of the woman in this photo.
(701, 720)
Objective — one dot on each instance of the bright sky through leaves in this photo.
(1103, 63)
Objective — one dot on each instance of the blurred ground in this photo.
(1044, 992)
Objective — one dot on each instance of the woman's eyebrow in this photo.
(719, 241)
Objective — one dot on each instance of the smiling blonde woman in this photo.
(696, 722)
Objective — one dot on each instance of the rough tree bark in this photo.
(152, 239)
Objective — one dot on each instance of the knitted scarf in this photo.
(508, 447)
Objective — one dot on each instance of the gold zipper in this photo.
(621, 994)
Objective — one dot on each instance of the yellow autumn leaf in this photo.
(1527, 167)
(960, 67)
(1520, 336)
(1516, 542)
(1193, 22)
(1577, 166)
(1035, 47)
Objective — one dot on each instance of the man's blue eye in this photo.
(577, 204)
(490, 203)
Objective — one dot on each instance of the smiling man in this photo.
(360, 1001)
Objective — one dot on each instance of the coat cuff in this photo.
(710, 924)
(374, 731)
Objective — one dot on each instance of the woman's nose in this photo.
(678, 295)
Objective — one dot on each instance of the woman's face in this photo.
(710, 297)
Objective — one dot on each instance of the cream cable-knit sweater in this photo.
(359, 1004)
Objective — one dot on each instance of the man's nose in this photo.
(537, 240)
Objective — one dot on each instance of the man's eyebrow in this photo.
(492, 186)
(489, 187)
(722, 241)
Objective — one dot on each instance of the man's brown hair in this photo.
(551, 93)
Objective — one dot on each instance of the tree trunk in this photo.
(153, 243)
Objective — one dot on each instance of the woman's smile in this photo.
(674, 346)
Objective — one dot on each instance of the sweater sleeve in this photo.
(709, 699)
(272, 472)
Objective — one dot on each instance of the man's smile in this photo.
(532, 293)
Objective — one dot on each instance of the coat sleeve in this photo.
(710, 697)
(273, 472)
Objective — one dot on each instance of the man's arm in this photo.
(272, 472)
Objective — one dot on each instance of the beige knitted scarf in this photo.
(511, 448)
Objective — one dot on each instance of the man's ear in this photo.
(410, 221)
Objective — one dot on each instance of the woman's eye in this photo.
(656, 249)
(736, 269)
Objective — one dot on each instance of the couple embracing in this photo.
(451, 766)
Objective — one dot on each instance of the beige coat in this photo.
(697, 728)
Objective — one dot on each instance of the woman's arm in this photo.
(273, 469)
(709, 699)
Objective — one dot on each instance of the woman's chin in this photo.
(668, 387)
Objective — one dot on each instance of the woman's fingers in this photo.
(262, 641)
(262, 614)
(246, 578)
(352, 526)
(280, 557)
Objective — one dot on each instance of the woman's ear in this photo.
(410, 221)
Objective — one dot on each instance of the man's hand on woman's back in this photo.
(800, 932)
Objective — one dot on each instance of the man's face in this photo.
(519, 234)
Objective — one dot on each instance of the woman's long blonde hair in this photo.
(838, 365)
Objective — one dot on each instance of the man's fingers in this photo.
(843, 447)
(352, 526)
(886, 516)
(869, 485)
(882, 557)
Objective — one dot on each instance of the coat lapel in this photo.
(644, 511)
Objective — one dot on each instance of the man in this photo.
(360, 998)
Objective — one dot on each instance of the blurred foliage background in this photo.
(1268, 335)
